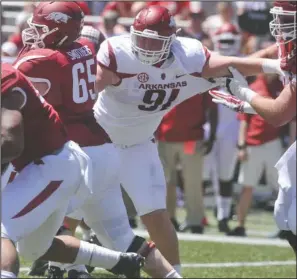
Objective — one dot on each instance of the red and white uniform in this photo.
(71, 74)
(36, 201)
(131, 111)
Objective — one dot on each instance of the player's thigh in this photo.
(251, 170)
(143, 178)
(168, 156)
(107, 216)
(273, 151)
(106, 165)
(38, 190)
(38, 242)
(226, 160)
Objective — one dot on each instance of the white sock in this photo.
(177, 268)
(224, 207)
(96, 256)
(77, 267)
(173, 274)
(7, 274)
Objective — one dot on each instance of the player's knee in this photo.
(292, 217)
(226, 188)
(113, 234)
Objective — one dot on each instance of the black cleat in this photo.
(223, 226)
(129, 265)
(94, 240)
(75, 274)
(55, 272)
(238, 231)
(38, 268)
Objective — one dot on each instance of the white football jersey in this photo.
(131, 111)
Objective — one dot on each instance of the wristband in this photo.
(248, 94)
(271, 66)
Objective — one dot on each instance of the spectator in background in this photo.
(196, 17)
(253, 19)
(123, 8)
(220, 162)
(14, 43)
(259, 148)
(225, 14)
(180, 135)
(110, 26)
(179, 9)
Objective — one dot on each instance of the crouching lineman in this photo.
(36, 201)
(277, 111)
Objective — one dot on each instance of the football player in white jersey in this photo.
(277, 111)
(140, 77)
(220, 163)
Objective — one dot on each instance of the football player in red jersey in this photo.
(34, 204)
(62, 66)
(277, 111)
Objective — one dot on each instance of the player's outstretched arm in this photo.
(217, 66)
(279, 111)
(269, 52)
(104, 78)
(12, 133)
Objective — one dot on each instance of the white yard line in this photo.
(216, 265)
(225, 239)
(238, 264)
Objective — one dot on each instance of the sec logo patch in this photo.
(143, 77)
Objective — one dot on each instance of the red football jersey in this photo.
(70, 75)
(43, 130)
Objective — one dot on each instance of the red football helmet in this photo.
(227, 40)
(283, 28)
(54, 25)
(152, 34)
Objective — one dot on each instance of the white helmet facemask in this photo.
(150, 47)
(283, 25)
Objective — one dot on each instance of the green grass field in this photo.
(218, 259)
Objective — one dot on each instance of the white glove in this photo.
(231, 102)
(239, 87)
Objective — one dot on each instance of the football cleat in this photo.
(55, 272)
(129, 265)
(75, 274)
(38, 268)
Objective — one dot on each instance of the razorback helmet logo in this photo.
(58, 17)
